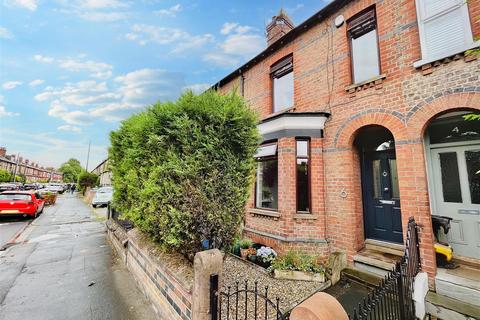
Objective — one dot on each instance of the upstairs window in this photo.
(444, 27)
(266, 187)
(362, 32)
(282, 77)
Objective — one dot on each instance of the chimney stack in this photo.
(3, 152)
(280, 25)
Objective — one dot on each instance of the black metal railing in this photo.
(242, 302)
(115, 215)
(392, 299)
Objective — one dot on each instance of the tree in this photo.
(5, 176)
(182, 171)
(87, 179)
(71, 170)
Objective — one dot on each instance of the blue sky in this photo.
(70, 70)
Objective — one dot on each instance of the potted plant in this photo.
(298, 267)
(251, 254)
(265, 256)
(245, 244)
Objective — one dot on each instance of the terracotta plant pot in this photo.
(243, 253)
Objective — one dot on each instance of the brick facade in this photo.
(403, 100)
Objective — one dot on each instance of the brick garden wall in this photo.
(170, 294)
(404, 102)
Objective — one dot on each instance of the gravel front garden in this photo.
(290, 292)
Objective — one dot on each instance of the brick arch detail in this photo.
(393, 121)
(421, 115)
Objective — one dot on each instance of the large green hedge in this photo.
(182, 171)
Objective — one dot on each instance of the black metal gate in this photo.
(392, 299)
(115, 215)
(243, 302)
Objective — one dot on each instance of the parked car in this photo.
(25, 203)
(8, 186)
(102, 197)
(55, 187)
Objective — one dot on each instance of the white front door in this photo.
(456, 188)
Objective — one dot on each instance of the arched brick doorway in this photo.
(453, 161)
(380, 187)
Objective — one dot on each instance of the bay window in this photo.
(266, 187)
(302, 174)
(365, 59)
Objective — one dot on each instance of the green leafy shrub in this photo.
(182, 171)
(5, 176)
(293, 261)
(246, 243)
(87, 179)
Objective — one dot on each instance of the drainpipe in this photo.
(242, 83)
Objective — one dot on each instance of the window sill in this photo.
(305, 216)
(376, 82)
(264, 213)
(427, 60)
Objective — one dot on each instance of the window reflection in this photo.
(453, 129)
(365, 57)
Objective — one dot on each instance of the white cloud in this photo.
(3, 110)
(228, 27)
(4, 113)
(178, 38)
(70, 128)
(103, 16)
(102, 4)
(172, 11)
(197, 88)
(76, 117)
(147, 86)
(84, 102)
(26, 4)
(36, 82)
(5, 33)
(98, 70)
(44, 59)
(80, 94)
(241, 43)
(9, 85)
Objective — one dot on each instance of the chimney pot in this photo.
(280, 25)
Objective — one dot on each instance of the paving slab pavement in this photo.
(62, 267)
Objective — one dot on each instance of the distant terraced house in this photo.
(361, 111)
(32, 171)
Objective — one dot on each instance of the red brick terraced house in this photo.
(361, 114)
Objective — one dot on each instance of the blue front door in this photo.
(381, 196)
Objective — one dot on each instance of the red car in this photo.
(25, 203)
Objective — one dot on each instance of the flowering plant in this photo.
(250, 252)
(266, 254)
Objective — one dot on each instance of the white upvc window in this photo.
(445, 29)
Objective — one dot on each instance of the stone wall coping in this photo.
(305, 216)
(368, 81)
(173, 264)
(261, 212)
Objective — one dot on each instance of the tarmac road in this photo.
(61, 267)
(9, 228)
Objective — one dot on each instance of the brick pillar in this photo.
(286, 183)
(205, 264)
(414, 201)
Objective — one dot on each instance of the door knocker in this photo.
(385, 173)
